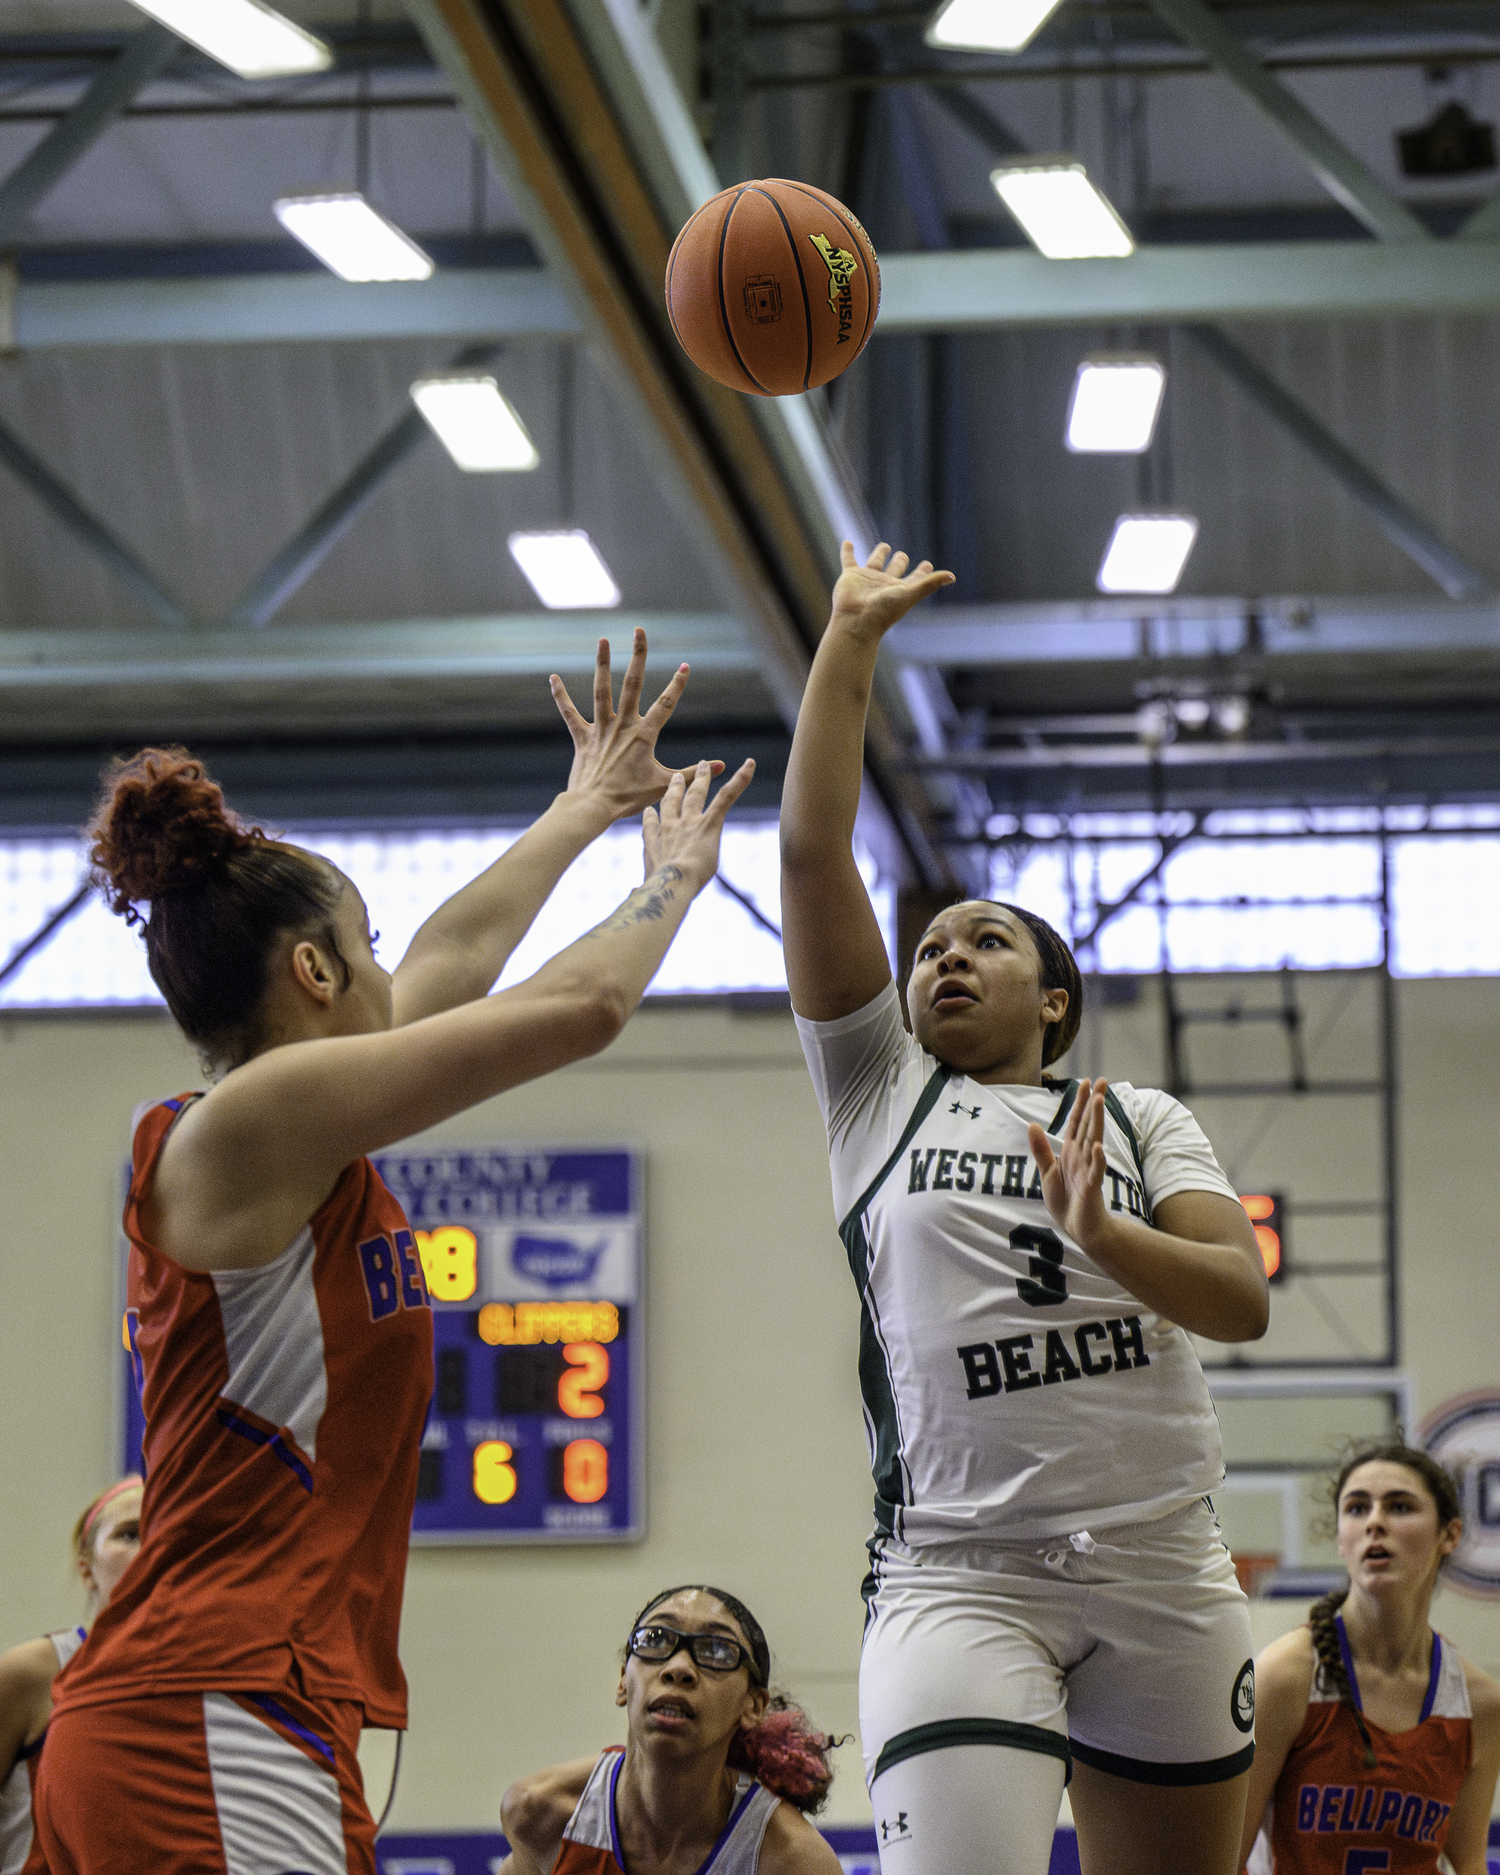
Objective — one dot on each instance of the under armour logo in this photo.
(898, 1828)
(959, 1107)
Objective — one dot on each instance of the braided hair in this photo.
(1332, 1675)
(783, 1750)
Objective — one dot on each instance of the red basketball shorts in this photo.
(205, 1784)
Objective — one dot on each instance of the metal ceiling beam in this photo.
(967, 291)
(126, 75)
(311, 545)
(1126, 631)
(105, 545)
(1083, 755)
(1344, 176)
(601, 156)
(502, 646)
(1401, 524)
(503, 302)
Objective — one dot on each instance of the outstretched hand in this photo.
(1073, 1177)
(614, 756)
(686, 828)
(876, 595)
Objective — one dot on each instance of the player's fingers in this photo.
(1041, 1148)
(1077, 1111)
(664, 705)
(565, 706)
(879, 554)
(697, 788)
(604, 703)
(846, 554)
(734, 787)
(635, 675)
(897, 565)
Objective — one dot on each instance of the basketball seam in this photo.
(723, 304)
(791, 241)
(872, 300)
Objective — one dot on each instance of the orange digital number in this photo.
(585, 1471)
(578, 1390)
(494, 1475)
(450, 1260)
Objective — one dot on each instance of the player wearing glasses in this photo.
(717, 1773)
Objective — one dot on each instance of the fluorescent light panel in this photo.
(351, 238)
(989, 25)
(565, 570)
(249, 38)
(1114, 405)
(1147, 553)
(1060, 209)
(474, 422)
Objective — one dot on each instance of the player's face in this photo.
(116, 1538)
(677, 1707)
(1389, 1536)
(975, 992)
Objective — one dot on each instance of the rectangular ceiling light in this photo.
(565, 570)
(1114, 405)
(1147, 553)
(249, 38)
(989, 25)
(1060, 209)
(351, 238)
(474, 422)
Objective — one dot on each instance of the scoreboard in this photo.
(533, 1259)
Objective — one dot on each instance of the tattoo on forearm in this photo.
(647, 904)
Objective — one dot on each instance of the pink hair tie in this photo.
(134, 1482)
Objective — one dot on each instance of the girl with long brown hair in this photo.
(1377, 1744)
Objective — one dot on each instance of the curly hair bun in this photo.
(161, 824)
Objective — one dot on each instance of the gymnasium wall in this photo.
(756, 1471)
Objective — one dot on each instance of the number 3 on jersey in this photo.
(1046, 1286)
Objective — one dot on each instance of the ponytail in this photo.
(787, 1755)
(220, 894)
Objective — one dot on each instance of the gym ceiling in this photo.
(222, 521)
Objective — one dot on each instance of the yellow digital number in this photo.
(585, 1471)
(450, 1258)
(494, 1475)
(577, 1391)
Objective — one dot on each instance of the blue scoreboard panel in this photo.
(533, 1263)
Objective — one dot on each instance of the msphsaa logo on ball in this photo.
(842, 267)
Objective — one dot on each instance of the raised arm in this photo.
(462, 948)
(247, 1165)
(835, 955)
(1199, 1265)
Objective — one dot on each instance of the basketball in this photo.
(773, 288)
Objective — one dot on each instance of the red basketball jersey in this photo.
(1333, 1815)
(284, 1412)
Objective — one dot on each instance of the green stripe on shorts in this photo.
(948, 1732)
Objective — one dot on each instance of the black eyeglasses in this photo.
(717, 1652)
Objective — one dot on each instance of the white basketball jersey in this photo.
(15, 1786)
(1011, 1388)
(591, 1842)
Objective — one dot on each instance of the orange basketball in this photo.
(773, 287)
